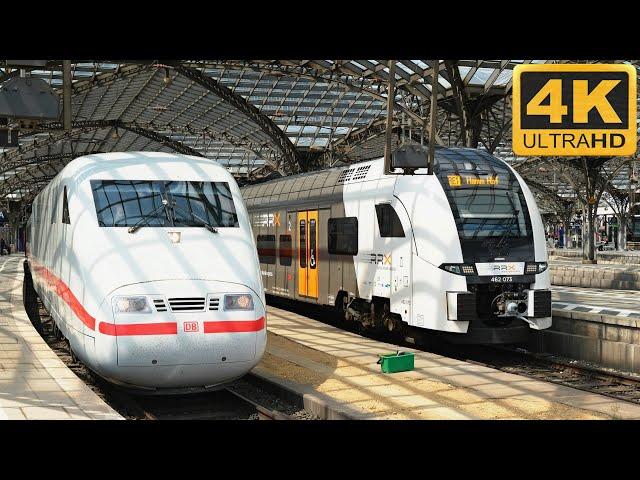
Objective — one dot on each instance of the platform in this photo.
(336, 373)
(34, 383)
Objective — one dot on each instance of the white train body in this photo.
(148, 309)
(416, 272)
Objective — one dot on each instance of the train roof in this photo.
(140, 164)
(444, 156)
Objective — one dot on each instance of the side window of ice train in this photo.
(65, 207)
(388, 221)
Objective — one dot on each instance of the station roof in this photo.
(273, 117)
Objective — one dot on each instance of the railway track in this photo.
(242, 400)
(545, 367)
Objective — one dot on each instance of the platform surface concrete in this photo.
(34, 383)
(339, 369)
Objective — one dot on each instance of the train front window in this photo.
(126, 203)
(197, 201)
(490, 212)
(484, 194)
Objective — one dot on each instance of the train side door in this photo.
(400, 241)
(307, 229)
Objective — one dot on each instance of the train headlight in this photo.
(459, 268)
(242, 301)
(535, 267)
(131, 305)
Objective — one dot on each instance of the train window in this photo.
(312, 244)
(65, 207)
(286, 250)
(302, 251)
(267, 249)
(197, 201)
(343, 236)
(124, 203)
(388, 221)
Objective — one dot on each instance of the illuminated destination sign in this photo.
(473, 180)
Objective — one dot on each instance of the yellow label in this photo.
(455, 180)
(471, 180)
(575, 110)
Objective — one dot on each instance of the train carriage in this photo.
(461, 251)
(147, 265)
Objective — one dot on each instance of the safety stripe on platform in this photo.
(578, 307)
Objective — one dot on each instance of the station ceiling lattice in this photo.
(262, 118)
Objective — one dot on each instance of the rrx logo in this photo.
(504, 268)
(380, 259)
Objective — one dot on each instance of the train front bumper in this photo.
(535, 311)
(180, 334)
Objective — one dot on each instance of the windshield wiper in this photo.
(203, 222)
(508, 227)
(145, 218)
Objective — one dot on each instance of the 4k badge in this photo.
(574, 110)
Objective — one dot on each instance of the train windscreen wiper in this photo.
(203, 222)
(508, 227)
(145, 218)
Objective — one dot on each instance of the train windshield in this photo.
(488, 213)
(126, 203)
(485, 196)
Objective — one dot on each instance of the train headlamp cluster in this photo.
(459, 268)
(535, 267)
(137, 304)
(242, 301)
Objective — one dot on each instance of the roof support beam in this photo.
(290, 156)
(144, 132)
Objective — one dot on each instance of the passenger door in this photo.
(307, 229)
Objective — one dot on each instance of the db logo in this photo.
(190, 326)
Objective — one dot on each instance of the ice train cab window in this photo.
(65, 207)
(343, 236)
(388, 221)
(267, 249)
(163, 203)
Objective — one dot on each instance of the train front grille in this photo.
(189, 304)
(214, 303)
(160, 305)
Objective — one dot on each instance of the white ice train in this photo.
(462, 251)
(147, 265)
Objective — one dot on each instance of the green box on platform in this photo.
(396, 362)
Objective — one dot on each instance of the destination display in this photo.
(473, 180)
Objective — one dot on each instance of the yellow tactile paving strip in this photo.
(34, 383)
(340, 368)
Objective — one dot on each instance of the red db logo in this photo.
(190, 326)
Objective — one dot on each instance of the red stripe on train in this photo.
(63, 291)
(234, 326)
(164, 328)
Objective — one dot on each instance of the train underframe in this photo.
(498, 319)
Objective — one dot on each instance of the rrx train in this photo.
(460, 252)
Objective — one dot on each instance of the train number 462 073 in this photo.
(502, 279)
